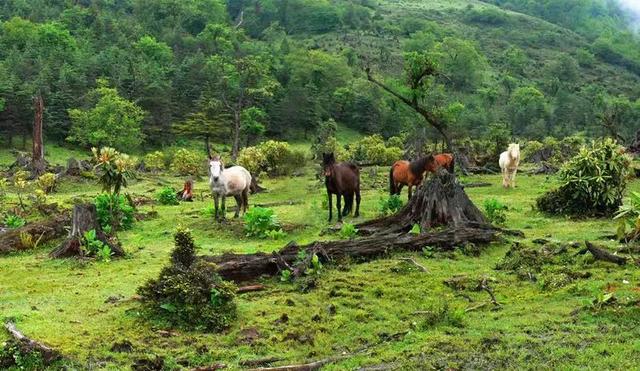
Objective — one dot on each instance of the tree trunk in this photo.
(440, 203)
(38, 164)
(236, 136)
(85, 218)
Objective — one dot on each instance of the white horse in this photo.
(234, 181)
(509, 161)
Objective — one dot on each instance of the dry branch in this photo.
(602, 254)
(303, 367)
(250, 288)
(28, 345)
(412, 261)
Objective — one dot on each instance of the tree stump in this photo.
(441, 201)
(85, 218)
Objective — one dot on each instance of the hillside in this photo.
(506, 65)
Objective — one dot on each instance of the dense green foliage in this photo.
(272, 158)
(189, 293)
(260, 222)
(495, 211)
(167, 196)
(234, 73)
(593, 182)
(114, 212)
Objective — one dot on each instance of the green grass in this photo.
(64, 302)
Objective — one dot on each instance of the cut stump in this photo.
(85, 218)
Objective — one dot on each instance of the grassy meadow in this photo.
(380, 313)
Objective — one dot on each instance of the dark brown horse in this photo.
(343, 180)
(412, 173)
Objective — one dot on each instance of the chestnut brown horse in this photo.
(343, 180)
(412, 173)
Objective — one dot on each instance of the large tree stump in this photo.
(439, 203)
(85, 218)
(48, 230)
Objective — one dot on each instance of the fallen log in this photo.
(45, 231)
(28, 345)
(259, 362)
(604, 255)
(250, 288)
(305, 366)
(249, 267)
(476, 185)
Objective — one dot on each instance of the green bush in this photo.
(271, 157)
(189, 293)
(47, 182)
(593, 182)
(114, 211)
(94, 247)
(259, 221)
(390, 205)
(187, 162)
(167, 196)
(14, 221)
(495, 211)
(154, 161)
(373, 149)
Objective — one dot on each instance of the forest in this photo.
(126, 124)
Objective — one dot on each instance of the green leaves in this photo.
(260, 222)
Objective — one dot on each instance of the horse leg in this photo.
(399, 189)
(330, 206)
(513, 178)
(339, 206)
(505, 178)
(245, 200)
(348, 204)
(357, 213)
(239, 205)
(215, 203)
(224, 208)
(410, 187)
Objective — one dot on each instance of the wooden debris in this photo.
(602, 254)
(412, 261)
(251, 288)
(48, 230)
(48, 354)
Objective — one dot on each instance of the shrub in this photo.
(14, 221)
(390, 205)
(154, 161)
(189, 293)
(92, 246)
(593, 182)
(4, 184)
(373, 149)
(167, 196)
(47, 182)
(114, 211)
(629, 219)
(271, 157)
(186, 162)
(259, 221)
(116, 168)
(495, 211)
(348, 231)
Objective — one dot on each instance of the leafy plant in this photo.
(115, 169)
(593, 182)
(167, 196)
(276, 234)
(495, 211)
(114, 212)
(27, 241)
(188, 292)
(47, 182)
(629, 218)
(271, 157)
(316, 266)
(21, 185)
(14, 221)
(348, 231)
(390, 205)
(285, 275)
(259, 221)
(415, 229)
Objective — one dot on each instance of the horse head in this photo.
(215, 168)
(328, 159)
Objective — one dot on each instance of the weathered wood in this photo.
(602, 254)
(28, 345)
(85, 218)
(305, 366)
(250, 288)
(259, 362)
(249, 267)
(48, 230)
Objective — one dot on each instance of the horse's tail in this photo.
(392, 184)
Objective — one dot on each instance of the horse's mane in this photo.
(418, 166)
